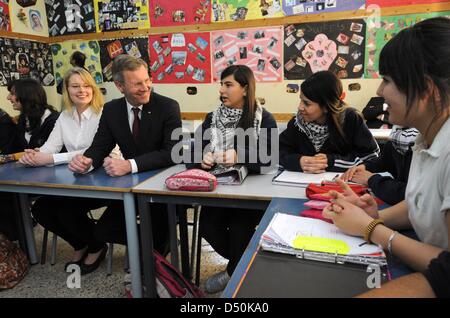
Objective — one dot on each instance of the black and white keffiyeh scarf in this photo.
(403, 138)
(316, 133)
(223, 124)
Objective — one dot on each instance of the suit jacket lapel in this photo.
(146, 121)
(124, 125)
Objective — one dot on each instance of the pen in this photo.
(335, 177)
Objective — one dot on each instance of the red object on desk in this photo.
(320, 191)
(314, 214)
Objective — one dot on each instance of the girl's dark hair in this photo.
(325, 89)
(417, 55)
(244, 76)
(33, 99)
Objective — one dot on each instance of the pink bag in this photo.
(192, 180)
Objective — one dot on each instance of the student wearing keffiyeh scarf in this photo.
(229, 230)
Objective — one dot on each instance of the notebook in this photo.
(318, 240)
(301, 179)
(233, 175)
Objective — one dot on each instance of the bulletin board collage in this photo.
(293, 51)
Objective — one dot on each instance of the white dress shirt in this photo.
(130, 107)
(73, 131)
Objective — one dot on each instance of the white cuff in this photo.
(134, 168)
(60, 158)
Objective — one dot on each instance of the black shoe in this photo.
(89, 268)
(79, 262)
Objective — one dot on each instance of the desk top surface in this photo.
(61, 177)
(254, 187)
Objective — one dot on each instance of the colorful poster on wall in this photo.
(61, 58)
(25, 59)
(237, 10)
(179, 12)
(113, 15)
(109, 49)
(5, 22)
(70, 17)
(29, 17)
(337, 46)
(379, 35)
(258, 48)
(296, 7)
(180, 58)
(397, 3)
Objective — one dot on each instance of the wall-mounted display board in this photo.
(180, 58)
(61, 58)
(378, 36)
(338, 46)
(25, 59)
(258, 48)
(238, 10)
(113, 15)
(5, 22)
(109, 49)
(296, 7)
(179, 12)
(29, 17)
(70, 17)
(397, 3)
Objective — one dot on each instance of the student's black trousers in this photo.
(229, 231)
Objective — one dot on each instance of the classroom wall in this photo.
(277, 100)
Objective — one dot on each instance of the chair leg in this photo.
(53, 254)
(44, 247)
(199, 253)
(194, 238)
(110, 259)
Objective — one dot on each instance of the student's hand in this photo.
(116, 167)
(226, 158)
(316, 164)
(365, 202)
(80, 164)
(348, 217)
(348, 175)
(362, 177)
(34, 158)
(208, 161)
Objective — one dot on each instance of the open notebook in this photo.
(300, 179)
(318, 240)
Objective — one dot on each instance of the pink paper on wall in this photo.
(179, 12)
(398, 3)
(180, 58)
(258, 48)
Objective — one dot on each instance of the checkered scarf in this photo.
(316, 133)
(403, 138)
(223, 124)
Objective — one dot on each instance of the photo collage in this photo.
(297, 7)
(177, 12)
(70, 17)
(122, 14)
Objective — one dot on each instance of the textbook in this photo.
(233, 175)
(315, 239)
(300, 179)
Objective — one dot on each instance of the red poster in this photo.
(5, 22)
(180, 58)
(179, 12)
(398, 3)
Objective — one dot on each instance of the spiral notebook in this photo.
(318, 240)
(300, 179)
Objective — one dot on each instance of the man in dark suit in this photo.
(141, 123)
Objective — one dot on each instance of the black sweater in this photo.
(267, 122)
(391, 191)
(359, 145)
(8, 134)
(40, 134)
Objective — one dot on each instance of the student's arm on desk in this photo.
(396, 216)
(414, 253)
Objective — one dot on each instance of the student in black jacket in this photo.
(226, 229)
(325, 135)
(395, 159)
(37, 118)
(141, 123)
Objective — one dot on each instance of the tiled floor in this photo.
(51, 281)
